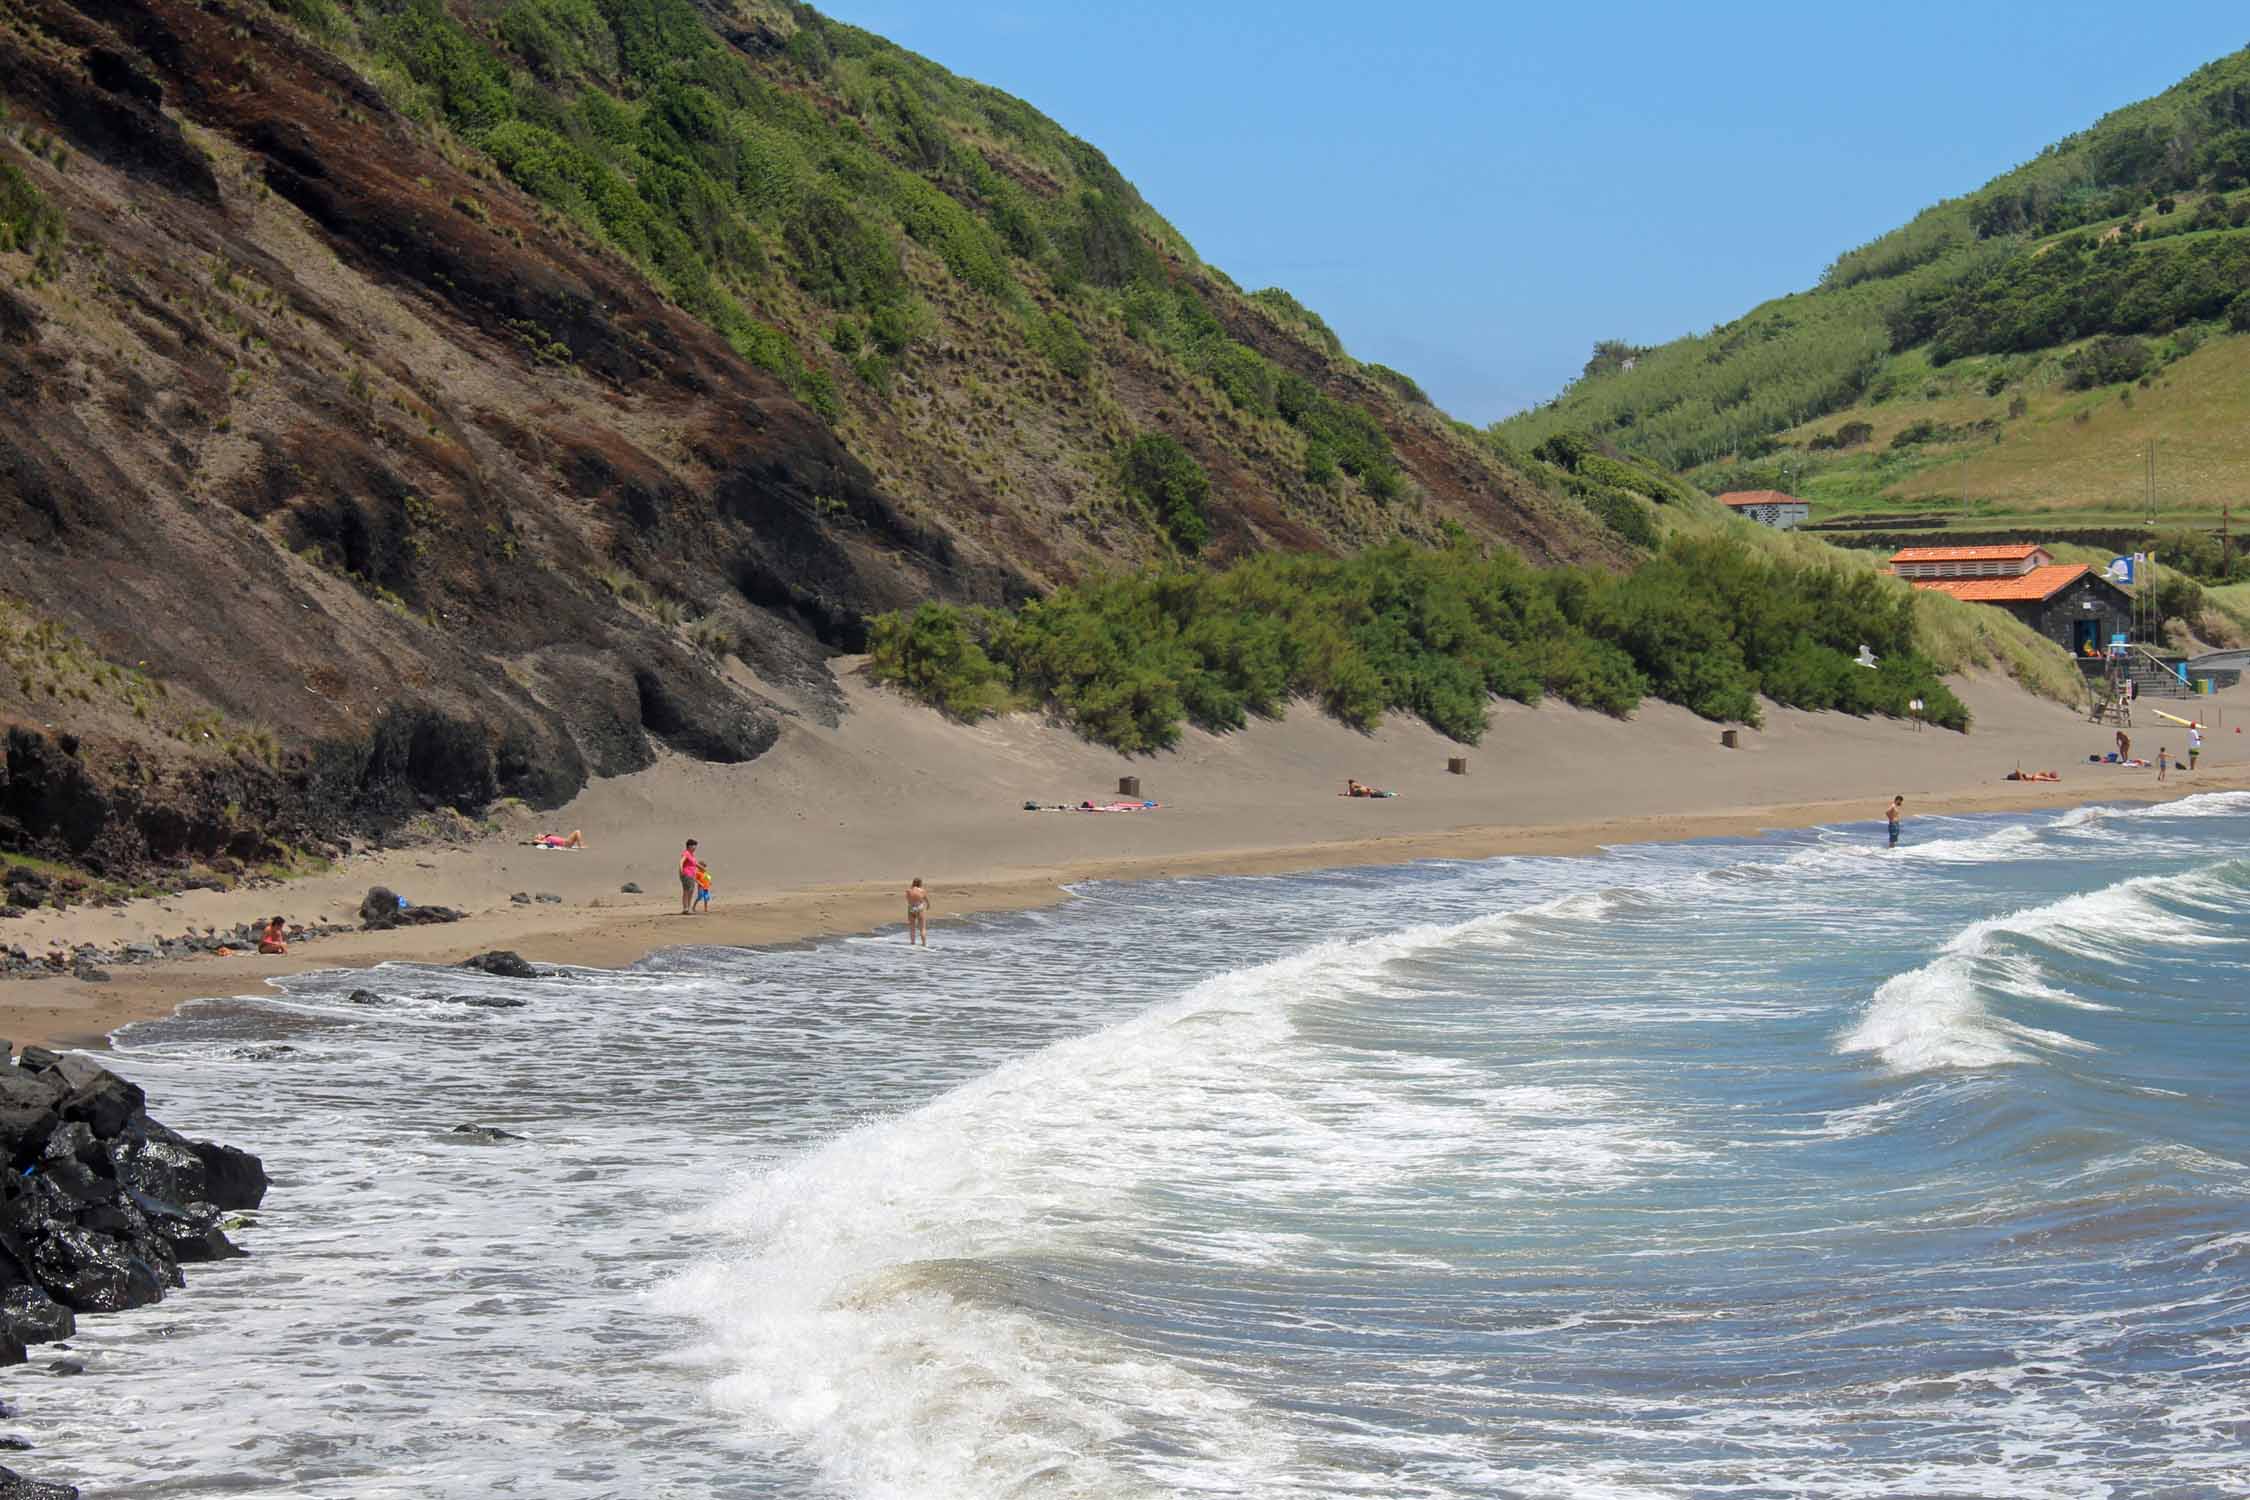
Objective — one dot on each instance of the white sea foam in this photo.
(1937, 1016)
(848, 1315)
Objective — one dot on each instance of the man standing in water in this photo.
(1893, 813)
(690, 867)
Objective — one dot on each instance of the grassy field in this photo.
(2037, 452)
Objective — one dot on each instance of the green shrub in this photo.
(1707, 623)
(1628, 477)
(1244, 377)
(2109, 361)
(933, 655)
(1057, 338)
(28, 222)
(1399, 384)
(1167, 478)
(1619, 511)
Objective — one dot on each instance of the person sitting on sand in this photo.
(575, 840)
(703, 888)
(274, 939)
(918, 913)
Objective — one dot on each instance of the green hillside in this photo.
(2006, 355)
(974, 298)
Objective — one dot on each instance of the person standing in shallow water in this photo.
(1893, 813)
(690, 867)
(918, 913)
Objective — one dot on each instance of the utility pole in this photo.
(2148, 482)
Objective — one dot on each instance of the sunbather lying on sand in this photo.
(574, 840)
(1362, 789)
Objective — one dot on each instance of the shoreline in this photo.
(67, 1012)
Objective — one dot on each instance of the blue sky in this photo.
(1474, 193)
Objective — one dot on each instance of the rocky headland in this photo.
(100, 1207)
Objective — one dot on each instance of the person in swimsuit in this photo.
(2163, 763)
(576, 840)
(274, 939)
(690, 867)
(918, 913)
(703, 889)
(1893, 814)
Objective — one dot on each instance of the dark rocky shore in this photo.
(100, 1206)
(381, 910)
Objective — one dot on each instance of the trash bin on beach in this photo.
(1731, 738)
(1128, 786)
(1458, 765)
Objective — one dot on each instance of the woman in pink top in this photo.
(689, 869)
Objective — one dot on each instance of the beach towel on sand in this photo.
(1090, 806)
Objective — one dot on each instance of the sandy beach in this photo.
(821, 835)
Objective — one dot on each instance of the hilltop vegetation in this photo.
(1994, 321)
(847, 215)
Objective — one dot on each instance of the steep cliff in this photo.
(407, 404)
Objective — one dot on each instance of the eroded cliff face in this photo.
(340, 478)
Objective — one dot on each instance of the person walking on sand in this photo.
(2163, 763)
(918, 913)
(690, 867)
(703, 889)
(1892, 814)
(2195, 745)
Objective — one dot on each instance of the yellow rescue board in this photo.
(2175, 718)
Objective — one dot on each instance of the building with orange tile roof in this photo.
(1767, 508)
(2069, 603)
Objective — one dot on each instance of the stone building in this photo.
(2068, 603)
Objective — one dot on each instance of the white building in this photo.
(1767, 508)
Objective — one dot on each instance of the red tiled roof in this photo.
(2026, 588)
(1964, 554)
(1740, 498)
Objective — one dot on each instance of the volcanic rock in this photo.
(503, 964)
(480, 1135)
(14, 1486)
(380, 910)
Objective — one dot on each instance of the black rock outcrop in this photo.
(382, 909)
(504, 965)
(14, 1486)
(100, 1205)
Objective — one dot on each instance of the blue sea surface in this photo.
(1788, 1166)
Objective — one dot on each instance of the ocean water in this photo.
(1774, 1167)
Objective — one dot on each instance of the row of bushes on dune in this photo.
(1436, 632)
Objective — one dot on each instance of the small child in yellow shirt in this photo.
(703, 886)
